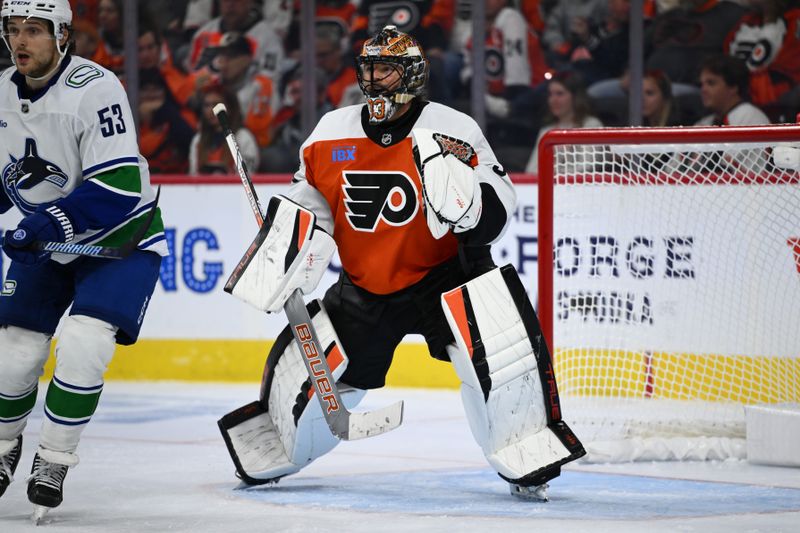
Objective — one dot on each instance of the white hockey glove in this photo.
(289, 253)
(450, 188)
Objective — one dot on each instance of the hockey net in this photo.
(669, 277)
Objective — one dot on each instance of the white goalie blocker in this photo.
(508, 385)
(290, 252)
(286, 429)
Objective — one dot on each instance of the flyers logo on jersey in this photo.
(372, 196)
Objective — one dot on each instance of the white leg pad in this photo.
(291, 432)
(502, 363)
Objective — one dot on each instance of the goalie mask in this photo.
(56, 12)
(391, 71)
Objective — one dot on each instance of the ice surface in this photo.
(153, 460)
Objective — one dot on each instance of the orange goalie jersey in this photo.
(363, 184)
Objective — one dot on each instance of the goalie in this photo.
(413, 196)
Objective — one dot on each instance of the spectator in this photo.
(724, 82)
(164, 133)
(109, 23)
(154, 54)
(568, 107)
(566, 21)
(89, 45)
(208, 153)
(658, 107)
(255, 90)
(84, 10)
(602, 52)
(276, 13)
(680, 39)
(535, 13)
(336, 16)
(282, 155)
(658, 111)
(768, 40)
(343, 87)
(243, 17)
(514, 61)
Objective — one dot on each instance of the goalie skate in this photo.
(535, 493)
(8, 465)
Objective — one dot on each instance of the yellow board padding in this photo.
(243, 361)
(679, 376)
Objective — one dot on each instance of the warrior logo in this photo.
(373, 196)
(31, 180)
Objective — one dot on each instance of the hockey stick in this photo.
(342, 423)
(94, 250)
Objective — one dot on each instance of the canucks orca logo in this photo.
(31, 180)
(373, 196)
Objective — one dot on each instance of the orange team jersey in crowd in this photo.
(266, 46)
(336, 87)
(84, 9)
(409, 16)
(772, 53)
(218, 159)
(257, 98)
(162, 155)
(103, 57)
(373, 191)
(341, 16)
(532, 11)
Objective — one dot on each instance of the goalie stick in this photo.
(94, 250)
(344, 424)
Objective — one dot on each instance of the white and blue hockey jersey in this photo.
(73, 144)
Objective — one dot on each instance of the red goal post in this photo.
(653, 308)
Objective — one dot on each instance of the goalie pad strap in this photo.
(508, 385)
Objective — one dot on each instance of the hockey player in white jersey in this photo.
(412, 195)
(70, 163)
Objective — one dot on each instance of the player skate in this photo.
(46, 486)
(8, 463)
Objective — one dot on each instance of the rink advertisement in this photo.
(194, 330)
(619, 281)
(639, 277)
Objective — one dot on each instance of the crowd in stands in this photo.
(548, 64)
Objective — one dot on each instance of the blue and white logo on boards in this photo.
(3, 123)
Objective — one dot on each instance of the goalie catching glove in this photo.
(450, 188)
(290, 252)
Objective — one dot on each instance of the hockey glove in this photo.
(450, 188)
(43, 225)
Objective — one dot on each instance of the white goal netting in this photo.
(675, 287)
